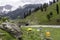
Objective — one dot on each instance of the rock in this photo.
(12, 29)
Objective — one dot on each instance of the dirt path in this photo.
(54, 26)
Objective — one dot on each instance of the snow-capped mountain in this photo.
(5, 9)
(17, 3)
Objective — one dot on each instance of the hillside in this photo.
(40, 17)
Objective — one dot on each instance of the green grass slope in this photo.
(40, 17)
(6, 36)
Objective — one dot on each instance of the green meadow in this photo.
(34, 34)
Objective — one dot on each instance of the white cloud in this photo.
(17, 3)
(21, 2)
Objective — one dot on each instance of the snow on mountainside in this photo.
(16, 3)
(5, 9)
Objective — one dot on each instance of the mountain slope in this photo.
(21, 11)
(40, 17)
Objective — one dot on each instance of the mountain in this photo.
(20, 11)
(1, 8)
(17, 3)
(8, 7)
(20, 7)
(5, 9)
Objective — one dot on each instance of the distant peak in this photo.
(17, 3)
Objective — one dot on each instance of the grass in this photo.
(6, 36)
(34, 34)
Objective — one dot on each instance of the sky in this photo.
(17, 3)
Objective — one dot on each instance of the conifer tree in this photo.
(57, 8)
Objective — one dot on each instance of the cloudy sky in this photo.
(17, 3)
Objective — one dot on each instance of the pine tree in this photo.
(57, 8)
(41, 8)
(54, 1)
(29, 12)
(45, 5)
(48, 17)
(24, 15)
(0, 18)
(51, 13)
(50, 3)
(57, 0)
